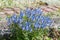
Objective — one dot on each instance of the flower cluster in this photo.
(29, 19)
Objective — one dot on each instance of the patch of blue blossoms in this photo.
(29, 19)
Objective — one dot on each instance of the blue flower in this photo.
(9, 21)
(38, 11)
(27, 28)
(37, 25)
(27, 23)
(33, 17)
(14, 15)
(38, 18)
(14, 18)
(28, 15)
(33, 12)
(43, 25)
(23, 27)
(30, 29)
(20, 20)
(28, 12)
(48, 21)
(21, 14)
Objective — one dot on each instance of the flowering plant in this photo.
(29, 22)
